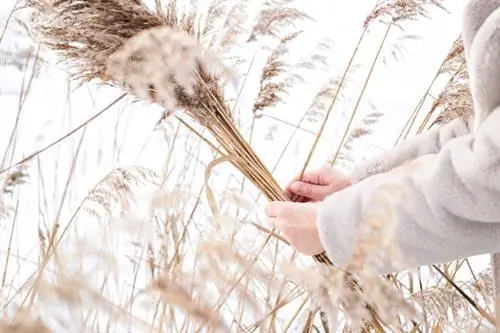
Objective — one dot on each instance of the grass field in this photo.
(119, 215)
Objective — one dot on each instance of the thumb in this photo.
(310, 191)
(318, 176)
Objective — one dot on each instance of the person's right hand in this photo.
(318, 184)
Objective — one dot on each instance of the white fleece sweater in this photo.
(450, 176)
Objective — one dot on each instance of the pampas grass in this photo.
(135, 45)
(188, 276)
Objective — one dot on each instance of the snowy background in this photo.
(49, 106)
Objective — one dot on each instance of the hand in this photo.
(297, 222)
(318, 184)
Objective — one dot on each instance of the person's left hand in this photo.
(297, 222)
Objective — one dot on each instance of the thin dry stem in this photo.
(272, 85)
(455, 101)
(397, 11)
(274, 16)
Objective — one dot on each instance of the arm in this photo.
(429, 142)
(444, 205)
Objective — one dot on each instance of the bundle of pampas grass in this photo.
(157, 57)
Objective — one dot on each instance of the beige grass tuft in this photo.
(23, 322)
(9, 182)
(272, 85)
(86, 33)
(396, 11)
(455, 101)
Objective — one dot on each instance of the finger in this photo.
(292, 196)
(323, 175)
(312, 177)
(310, 191)
(275, 208)
(299, 198)
(272, 209)
(308, 177)
(285, 228)
(278, 223)
(288, 187)
(318, 176)
(272, 221)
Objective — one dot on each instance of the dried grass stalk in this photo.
(9, 181)
(395, 11)
(23, 322)
(271, 85)
(455, 101)
(156, 58)
(86, 33)
(271, 21)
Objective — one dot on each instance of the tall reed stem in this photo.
(348, 128)
(330, 108)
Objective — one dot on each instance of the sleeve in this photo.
(429, 142)
(439, 207)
